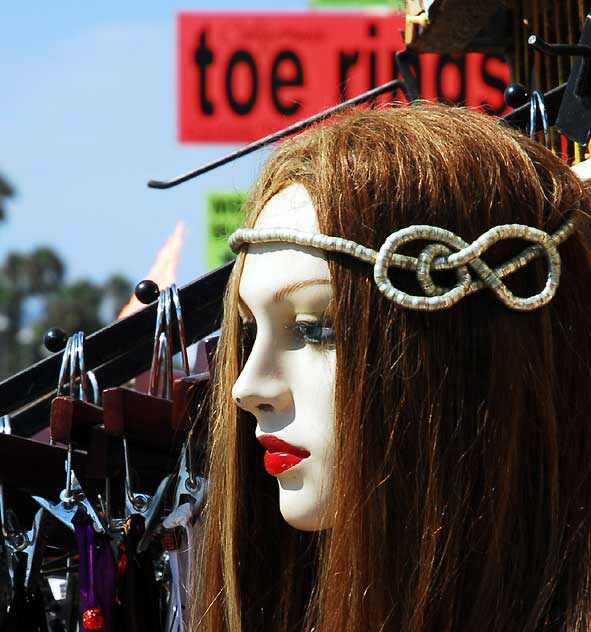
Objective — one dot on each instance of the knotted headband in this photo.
(437, 256)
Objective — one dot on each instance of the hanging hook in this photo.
(536, 102)
(161, 373)
(76, 369)
(74, 356)
(61, 383)
(163, 378)
(96, 393)
(181, 328)
(573, 50)
(168, 343)
(73, 364)
(155, 354)
(134, 502)
(5, 428)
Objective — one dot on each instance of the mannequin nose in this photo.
(260, 387)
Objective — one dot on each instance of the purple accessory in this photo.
(97, 574)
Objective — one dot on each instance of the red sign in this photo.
(244, 75)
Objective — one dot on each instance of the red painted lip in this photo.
(280, 455)
(274, 444)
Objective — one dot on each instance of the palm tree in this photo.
(6, 191)
(34, 297)
(74, 307)
(45, 271)
(13, 288)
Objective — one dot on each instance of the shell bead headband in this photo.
(472, 272)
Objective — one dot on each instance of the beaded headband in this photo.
(437, 256)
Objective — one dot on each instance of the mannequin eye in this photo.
(316, 333)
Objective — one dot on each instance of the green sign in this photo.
(224, 216)
(395, 5)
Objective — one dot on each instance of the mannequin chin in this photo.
(302, 501)
(288, 380)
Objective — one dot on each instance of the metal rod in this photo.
(180, 327)
(60, 569)
(189, 442)
(128, 486)
(96, 394)
(162, 374)
(154, 369)
(64, 367)
(5, 428)
(537, 56)
(73, 365)
(287, 131)
(579, 50)
(3, 513)
(68, 490)
(549, 65)
(573, 36)
(47, 565)
(168, 343)
(526, 13)
(108, 501)
(82, 367)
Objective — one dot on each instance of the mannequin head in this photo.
(287, 382)
(459, 494)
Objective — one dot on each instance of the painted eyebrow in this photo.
(293, 287)
(280, 294)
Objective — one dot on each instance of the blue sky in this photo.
(87, 116)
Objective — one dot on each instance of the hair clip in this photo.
(437, 256)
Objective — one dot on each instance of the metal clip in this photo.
(188, 483)
(33, 550)
(151, 512)
(69, 504)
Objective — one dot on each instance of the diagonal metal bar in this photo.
(395, 84)
(516, 118)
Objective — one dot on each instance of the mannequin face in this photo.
(288, 380)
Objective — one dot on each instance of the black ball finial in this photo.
(516, 95)
(147, 291)
(55, 339)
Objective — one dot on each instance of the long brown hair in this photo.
(462, 484)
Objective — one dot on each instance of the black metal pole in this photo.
(287, 131)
